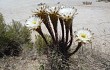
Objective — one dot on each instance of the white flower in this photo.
(83, 36)
(53, 9)
(42, 7)
(67, 13)
(33, 22)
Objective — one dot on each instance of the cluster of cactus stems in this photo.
(60, 43)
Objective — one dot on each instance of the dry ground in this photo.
(96, 17)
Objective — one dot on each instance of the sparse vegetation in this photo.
(87, 3)
(41, 45)
(13, 41)
(58, 54)
(12, 37)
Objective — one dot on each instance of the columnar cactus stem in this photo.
(44, 17)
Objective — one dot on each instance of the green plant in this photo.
(12, 37)
(2, 25)
(41, 45)
(17, 32)
(41, 67)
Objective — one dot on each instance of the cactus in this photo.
(58, 53)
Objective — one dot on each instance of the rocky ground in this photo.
(94, 17)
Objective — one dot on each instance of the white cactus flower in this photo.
(40, 9)
(33, 22)
(53, 9)
(67, 13)
(84, 36)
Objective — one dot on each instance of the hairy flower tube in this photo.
(53, 14)
(43, 14)
(83, 36)
(67, 14)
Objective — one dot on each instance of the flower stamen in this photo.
(83, 35)
(34, 22)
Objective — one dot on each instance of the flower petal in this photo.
(84, 35)
(67, 13)
(33, 22)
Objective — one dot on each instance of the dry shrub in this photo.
(12, 37)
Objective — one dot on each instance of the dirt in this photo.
(95, 17)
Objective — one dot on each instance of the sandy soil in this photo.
(95, 17)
